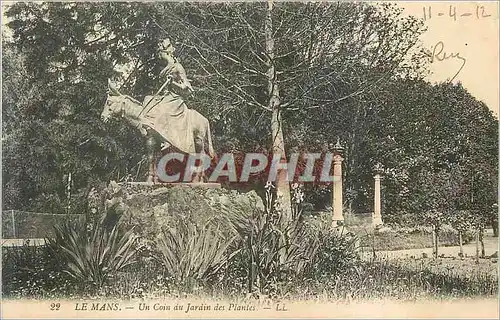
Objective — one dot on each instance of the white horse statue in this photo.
(166, 121)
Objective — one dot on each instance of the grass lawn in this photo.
(32, 272)
(398, 237)
(396, 240)
(407, 279)
(466, 267)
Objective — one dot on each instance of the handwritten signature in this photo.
(438, 54)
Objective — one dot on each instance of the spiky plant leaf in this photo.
(92, 256)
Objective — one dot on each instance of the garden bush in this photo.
(92, 253)
(32, 271)
(337, 250)
(276, 251)
(192, 254)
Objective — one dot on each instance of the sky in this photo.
(462, 28)
(467, 33)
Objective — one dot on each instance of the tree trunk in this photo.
(460, 241)
(481, 241)
(282, 185)
(477, 246)
(435, 241)
(350, 155)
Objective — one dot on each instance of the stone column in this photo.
(337, 197)
(377, 213)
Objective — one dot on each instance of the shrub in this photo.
(30, 270)
(192, 253)
(273, 249)
(278, 251)
(92, 253)
(337, 249)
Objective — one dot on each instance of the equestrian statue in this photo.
(164, 117)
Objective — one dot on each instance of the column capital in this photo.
(337, 158)
(378, 169)
(338, 148)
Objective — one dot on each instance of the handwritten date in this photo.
(453, 13)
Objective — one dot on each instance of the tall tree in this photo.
(68, 53)
(255, 67)
(425, 129)
(318, 55)
(273, 90)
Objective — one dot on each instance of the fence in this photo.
(32, 225)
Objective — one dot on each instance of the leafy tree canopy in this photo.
(344, 70)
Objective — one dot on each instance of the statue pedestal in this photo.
(150, 208)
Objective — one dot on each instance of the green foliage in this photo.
(319, 56)
(401, 279)
(408, 280)
(274, 248)
(55, 84)
(333, 82)
(193, 253)
(337, 251)
(30, 270)
(92, 254)
(276, 252)
(438, 145)
(63, 54)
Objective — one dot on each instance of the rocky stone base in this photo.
(150, 208)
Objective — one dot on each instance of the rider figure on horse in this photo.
(175, 84)
(174, 73)
(165, 111)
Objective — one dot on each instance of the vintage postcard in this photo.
(265, 159)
